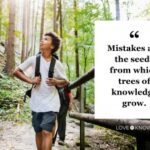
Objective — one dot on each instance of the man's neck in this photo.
(46, 54)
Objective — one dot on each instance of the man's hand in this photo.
(52, 81)
(36, 80)
(70, 106)
(20, 74)
(56, 82)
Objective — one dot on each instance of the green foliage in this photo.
(87, 13)
(11, 97)
(18, 34)
(105, 11)
(90, 92)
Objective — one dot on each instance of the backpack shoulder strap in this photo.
(51, 68)
(37, 65)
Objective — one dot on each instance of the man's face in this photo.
(46, 43)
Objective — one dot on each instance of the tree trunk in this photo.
(76, 38)
(32, 27)
(68, 66)
(36, 22)
(10, 61)
(117, 10)
(28, 28)
(0, 18)
(105, 10)
(78, 93)
(54, 17)
(85, 66)
(23, 52)
(60, 28)
(42, 19)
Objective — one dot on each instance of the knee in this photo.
(46, 133)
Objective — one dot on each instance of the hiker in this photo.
(66, 105)
(45, 102)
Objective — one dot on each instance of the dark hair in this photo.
(55, 40)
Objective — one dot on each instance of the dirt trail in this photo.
(21, 137)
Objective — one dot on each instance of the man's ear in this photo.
(52, 47)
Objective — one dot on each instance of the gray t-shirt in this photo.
(44, 98)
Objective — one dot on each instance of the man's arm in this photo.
(57, 82)
(20, 75)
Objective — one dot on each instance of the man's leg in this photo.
(62, 123)
(47, 125)
(38, 138)
(36, 120)
(54, 131)
(46, 140)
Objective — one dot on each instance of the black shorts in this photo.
(43, 121)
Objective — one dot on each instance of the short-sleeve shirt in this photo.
(44, 98)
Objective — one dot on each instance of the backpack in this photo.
(62, 91)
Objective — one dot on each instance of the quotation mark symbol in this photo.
(134, 34)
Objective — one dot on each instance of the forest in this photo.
(22, 26)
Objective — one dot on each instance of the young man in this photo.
(45, 102)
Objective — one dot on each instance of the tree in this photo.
(42, 19)
(0, 17)
(106, 15)
(76, 47)
(23, 52)
(10, 61)
(32, 27)
(117, 10)
(28, 27)
(76, 39)
(128, 6)
(36, 25)
(54, 16)
(61, 28)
